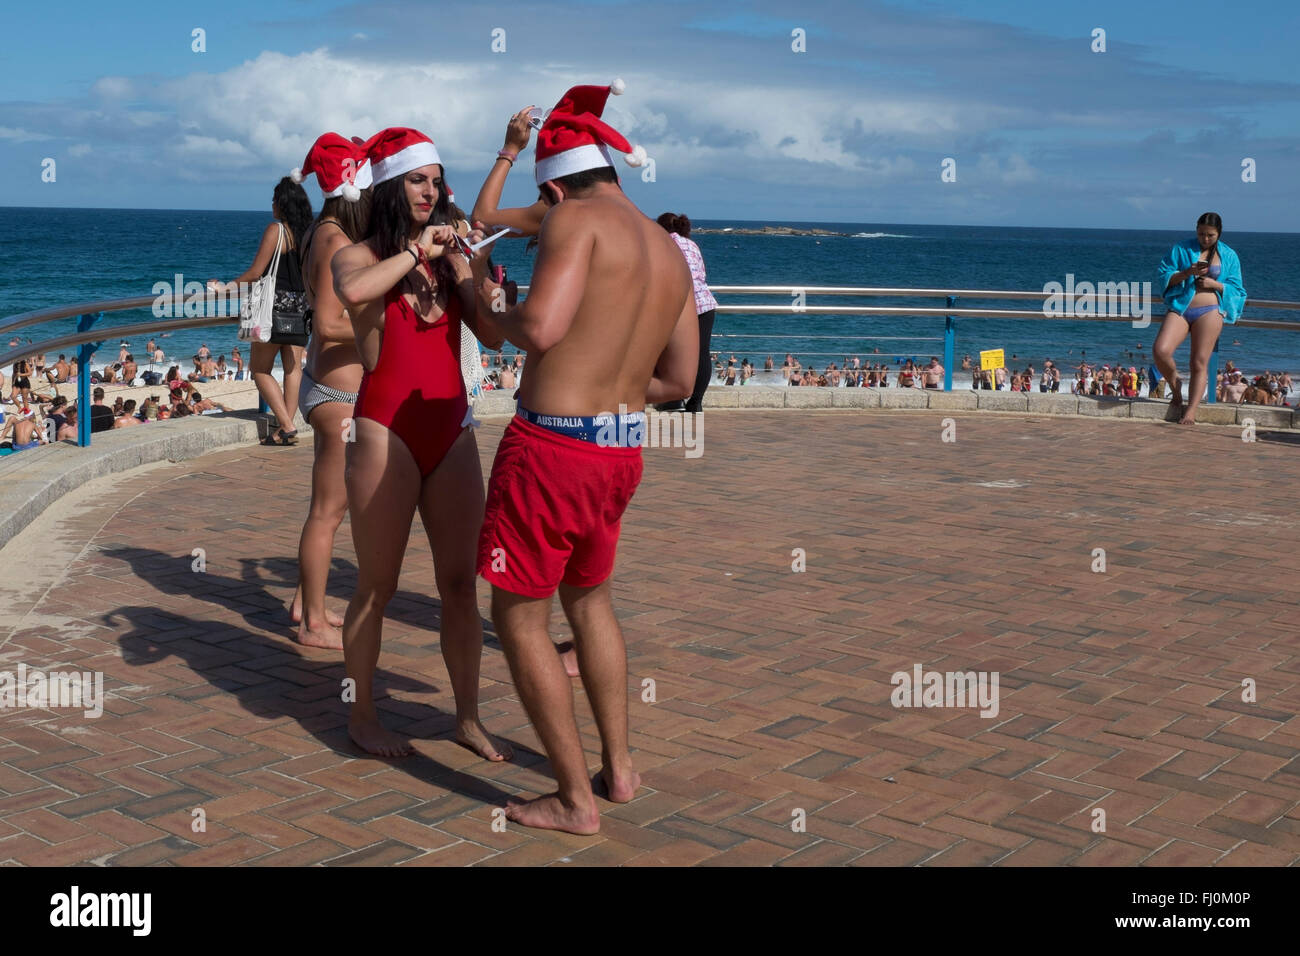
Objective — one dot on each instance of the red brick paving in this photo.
(1119, 690)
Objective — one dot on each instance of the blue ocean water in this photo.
(51, 257)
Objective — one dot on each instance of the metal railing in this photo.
(89, 337)
(950, 313)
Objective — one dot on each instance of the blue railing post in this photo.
(84, 352)
(1213, 375)
(949, 345)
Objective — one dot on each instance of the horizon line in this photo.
(825, 222)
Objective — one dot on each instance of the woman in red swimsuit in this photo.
(406, 289)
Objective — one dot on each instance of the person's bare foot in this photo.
(620, 787)
(332, 618)
(549, 812)
(1188, 419)
(372, 737)
(569, 655)
(1176, 393)
(471, 735)
(327, 637)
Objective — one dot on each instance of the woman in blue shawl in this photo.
(1201, 279)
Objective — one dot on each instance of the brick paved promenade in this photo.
(1120, 691)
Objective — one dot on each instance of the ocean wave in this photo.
(879, 235)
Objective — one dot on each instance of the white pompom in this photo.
(350, 192)
(296, 175)
(618, 86)
(637, 157)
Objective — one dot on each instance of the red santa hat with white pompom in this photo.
(340, 166)
(397, 150)
(574, 138)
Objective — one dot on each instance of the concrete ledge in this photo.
(1220, 414)
(855, 398)
(35, 479)
(1041, 404)
(757, 396)
(1262, 415)
(499, 401)
(1105, 407)
(904, 398)
(801, 397)
(1151, 411)
(952, 400)
(1003, 401)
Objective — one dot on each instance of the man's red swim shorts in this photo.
(554, 510)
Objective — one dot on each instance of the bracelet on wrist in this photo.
(508, 156)
(413, 255)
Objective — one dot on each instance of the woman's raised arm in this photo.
(524, 219)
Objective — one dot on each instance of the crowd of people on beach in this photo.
(39, 413)
(1118, 380)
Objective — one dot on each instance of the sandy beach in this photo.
(236, 395)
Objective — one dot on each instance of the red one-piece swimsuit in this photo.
(415, 389)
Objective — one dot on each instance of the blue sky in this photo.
(1043, 131)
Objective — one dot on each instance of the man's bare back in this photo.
(634, 287)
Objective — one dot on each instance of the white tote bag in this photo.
(471, 364)
(255, 308)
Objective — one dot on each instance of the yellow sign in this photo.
(992, 359)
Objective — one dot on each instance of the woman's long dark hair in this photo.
(390, 225)
(1212, 220)
(294, 208)
(352, 217)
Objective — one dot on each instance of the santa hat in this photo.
(340, 166)
(574, 138)
(397, 150)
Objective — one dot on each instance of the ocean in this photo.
(51, 257)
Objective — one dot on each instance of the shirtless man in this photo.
(202, 404)
(609, 327)
(507, 377)
(932, 374)
(26, 433)
(127, 418)
(129, 369)
(68, 430)
(1234, 390)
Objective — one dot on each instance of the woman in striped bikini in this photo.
(332, 375)
(1202, 287)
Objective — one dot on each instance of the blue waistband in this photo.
(606, 429)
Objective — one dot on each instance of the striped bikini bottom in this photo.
(311, 393)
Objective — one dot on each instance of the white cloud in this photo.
(209, 151)
(19, 135)
(81, 149)
(1015, 171)
(113, 87)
